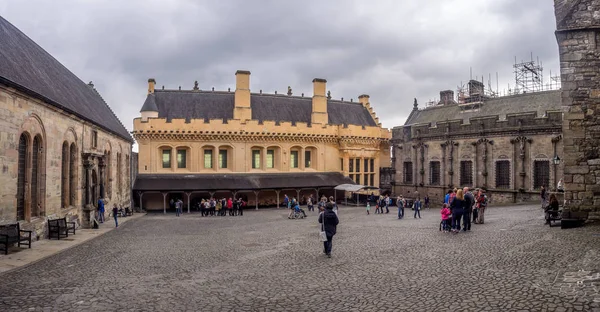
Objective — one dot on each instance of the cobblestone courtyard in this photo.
(263, 261)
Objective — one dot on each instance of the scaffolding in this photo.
(529, 76)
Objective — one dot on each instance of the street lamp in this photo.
(556, 160)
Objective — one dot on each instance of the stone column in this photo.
(88, 215)
(578, 37)
(101, 173)
(277, 192)
(256, 198)
(164, 194)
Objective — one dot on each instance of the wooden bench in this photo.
(12, 233)
(60, 228)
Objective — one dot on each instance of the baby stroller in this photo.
(298, 213)
(448, 226)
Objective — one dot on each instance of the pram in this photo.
(298, 213)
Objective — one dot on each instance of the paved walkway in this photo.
(18, 256)
(265, 262)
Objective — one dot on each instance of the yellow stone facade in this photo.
(253, 146)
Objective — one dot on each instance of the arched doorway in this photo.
(21, 181)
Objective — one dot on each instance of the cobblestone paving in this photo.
(265, 262)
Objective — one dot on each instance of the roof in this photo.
(539, 102)
(27, 67)
(190, 104)
(238, 181)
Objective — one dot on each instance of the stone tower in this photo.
(578, 36)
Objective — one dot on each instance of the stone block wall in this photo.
(578, 37)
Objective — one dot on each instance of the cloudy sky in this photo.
(393, 50)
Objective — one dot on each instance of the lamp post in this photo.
(556, 162)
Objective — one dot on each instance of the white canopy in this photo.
(353, 187)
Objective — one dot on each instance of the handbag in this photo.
(322, 233)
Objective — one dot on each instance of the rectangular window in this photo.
(503, 174)
(466, 173)
(541, 174)
(434, 173)
(94, 138)
(222, 159)
(351, 165)
(341, 164)
(307, 159)
(366, 179)
(208, 158)
(294, 159)
(372, 165)
(357, 178)
(255, 159)
(181, 159)
(166, 158)
(408, 172)
(372, 179)
(366, 168)
(270, 159)
(351, 177)
(357, 164)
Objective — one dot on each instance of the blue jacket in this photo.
(100, 205)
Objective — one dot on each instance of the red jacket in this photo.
(229, 204)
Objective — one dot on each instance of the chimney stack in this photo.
(151, 84)
(364, 100)
(319, 102)
(446, 97)
(242, 109)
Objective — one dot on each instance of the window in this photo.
(94, 138)
(357, 165)
(23, 151)
(270, 159)
(35, 176)
(307, 155)
(366, 179)
(503, 174)
(351, 177)
(466, 173)
(408, 172)
(372, 179)
(108, 172)
(64, 188)
(255, 159)
(166, 158)
(372, 164)
(119, 174)
(222, 159)
(72, 174)
(357, 178)
(341, 164)
(208, 158)
(294, 159)
(351, 165)
(541, 174)
(434, 173)
(366, 169)
(181, 158)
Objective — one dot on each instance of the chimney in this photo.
(364, 100)
(319, 102)
(242, 110)
(446, 97)
(151, 84)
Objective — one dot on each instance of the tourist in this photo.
(417, 207)
(213, 206)
(544, 197)
(115, 212)
(241, 206)
(230, 206)
(236, 207)
(218, 207)
(100, 210)
(426, 199)
(368, 207)
(400, 203)
(291, 207)
(223, 207)
(172, 204)
(469, 202)
(552, 210)
(475, 213)
(447, 197)
(178, 206)
(457, 206)
(387, 202)
(481, 206)
(560, 186)
(330, 221)
(335, 206)
(445, 218)
(309, 203)
(286, 201)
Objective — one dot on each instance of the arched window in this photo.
(22, 175)
(64, 189)
(72, 174)
(119, 173)
(127, 171)
(108, 175)
(36, 167)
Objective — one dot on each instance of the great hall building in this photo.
(62, 147)
(195, 144)
(511, 146)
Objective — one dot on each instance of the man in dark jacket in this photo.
(470, 201)
(330, 221)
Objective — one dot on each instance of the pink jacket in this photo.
(445, 213)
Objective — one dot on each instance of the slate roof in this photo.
(237, 181)
(265, 107)
(539, 102)
(27, 67)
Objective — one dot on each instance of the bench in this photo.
(128, 212)
(60, 228)
(552, 216)
(12, 233)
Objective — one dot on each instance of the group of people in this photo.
(463, 205)
(294, 206)
(222, 207)
(101, 211)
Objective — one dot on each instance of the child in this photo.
(445, 217)
(368, 207)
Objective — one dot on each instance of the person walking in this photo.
(481, 206)
(400, 203)
(469, 202)
(426, 199)
(309, 203)
(100, 210)
(178, 205)
(458, 209)
(387, 202)
(544, 197)
(417, 207)
(330, 220)
(115, 211)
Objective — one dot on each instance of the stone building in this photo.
(578, 36)
(509, 145)
(194, 144)
(62, 146)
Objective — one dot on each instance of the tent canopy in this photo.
(354, 187)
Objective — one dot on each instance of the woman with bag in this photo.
(329, 222)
